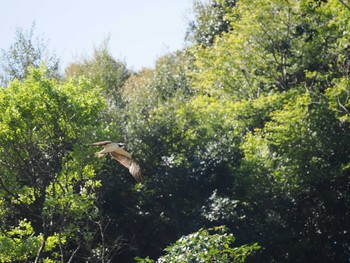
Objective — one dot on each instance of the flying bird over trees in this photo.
(116, 150)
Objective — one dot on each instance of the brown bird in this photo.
(116, 150)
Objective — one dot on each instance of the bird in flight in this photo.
(116, 150)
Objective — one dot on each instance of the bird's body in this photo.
(116, 150)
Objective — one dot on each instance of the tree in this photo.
(212, 245)
(249, 132)
(273, 49)
(255, 136)
(48, 187)
(300, 156)
(102, 70)
(25, 52)
(148, 125)
(210, 21)
(280, 79)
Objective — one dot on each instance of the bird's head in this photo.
(113, 146)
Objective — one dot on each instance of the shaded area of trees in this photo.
(247, 129)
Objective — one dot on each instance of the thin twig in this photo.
(73, 254)
(343, 107)
(344, 4)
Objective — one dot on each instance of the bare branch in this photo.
(344, 4)
(343, 107)
(73, 254)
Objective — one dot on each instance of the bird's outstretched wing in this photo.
(100, 143)
(129, 163)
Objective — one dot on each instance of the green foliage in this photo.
(338, 96)
(102, 70)
(272, 48)
(258, 138)
(247, 128)
(43, 172)
(149, 95)
(19, 243)
(278, 84)
(210, 21)
(213, 245)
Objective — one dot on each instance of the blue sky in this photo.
(140, 31)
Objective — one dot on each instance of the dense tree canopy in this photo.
(243, 138)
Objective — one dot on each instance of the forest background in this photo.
(243, 137)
